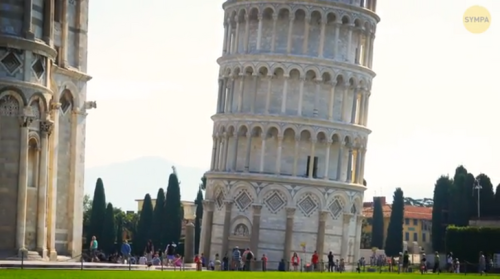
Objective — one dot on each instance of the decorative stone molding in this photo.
(256, 209)
(46, 126)
(347, 218)
(208, 205)
(290, 212)
(323, 215)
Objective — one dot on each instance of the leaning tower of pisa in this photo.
(43, 64)
(290, 130)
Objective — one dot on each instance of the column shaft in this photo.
(27, 19)
(207, 228)
(214, 153)
(217, 153)
(48, 23)
(22, 194)
(316, 98)
(327, 159)
(268, 96)
(273, 39)
(301, 96)
(255, 89)
(290, 214)
(305, 43)
(247, 33)
(227, 227)
(354, 106)
(320, 240)
(290, 33)
(231, 95)
(285, 89)
(278, 158)
(41, 240)
(259, 33)
(226, 153)
(357, 242)
(345, 236)
(349, 166)
(296, 157)
(254, 237)
(235, 151)
(349, 44)
(240, 96)
(249, 149)
(64, 35)
(332, 101)
(340, 161)
(263, 153)
(236, 47)
(336, 44)
(52, 194)
(311, 161)
(322, 38)
(226, 38)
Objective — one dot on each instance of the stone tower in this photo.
(290, 130)
(43, 64)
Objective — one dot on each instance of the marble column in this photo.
(247, 33)
(208, 218)
(63, 56)
(255, 92)
(228, 205)
(278, 157)
(332, 100)
(358, 166)
(345, 236)
(290, 215)
(327, 159)
(22, 194)
(41, 234)
(189, 243)
(316, 96)
(255, 235)
(362, 170)
(296, 157)
(27, 20)
(290, 33)
(322, 37)
(285, 89)
(214, 153)
(75, 191)
(236, 36)
(340, 160)
(227, 36)
(269, 92)
(263, 151)
(301, 96)
(259, 32)
(249, 149)
(48, 25)
(305, 42)
(226, 152)
(349, 166)
(349, 42)
(320, 241)
(242, 89)
(311, 161)
(235, 151)
(52, 193)
(357, 243)
(336, 44)
(273, 39)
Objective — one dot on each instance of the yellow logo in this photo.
(477, 19)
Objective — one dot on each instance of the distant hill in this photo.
(127, 181)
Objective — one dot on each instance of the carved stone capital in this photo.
(323, 215)
(26, 117)
(208, 205)
(290, 212)
(256, 208)
(347, 218)
(297, 139)
(46, 126)
(228, 205)
(55, 106)
(275, 16)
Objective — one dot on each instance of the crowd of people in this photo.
(244, 260)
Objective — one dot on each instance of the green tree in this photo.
(459, 198)
(487, 198)
(87, 211)
(440, 210)
(203, 184)
(119, 230)
(197, 222)
(377, 224)
(159, 228)
(98, 212)
(394, 240)
(497, 201)
(107, 243)
(173, 210)
(144, 227)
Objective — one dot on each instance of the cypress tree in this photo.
(158, 230)
(98, 212)
(497, 201)
(377, 224)
(107, 242)
(144, 228)
(394, 240)
(440, 210)
(487, 198)
(119, 232)
(173, 210)
(197, 222)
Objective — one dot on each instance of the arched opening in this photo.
(33, 160)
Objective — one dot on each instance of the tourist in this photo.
(248, 256)
(93, 249)
(203, 261)
(295, 261)
(331, 262)
(449, 262)
(225, 263)
(149, 250)
(177, 261)
(482, 263)
(197, 261)
(236, 259)
(457, 266)
(170, 252)
(217, 262)
(281, 265)
(264, 262)
(436, 268)
(125, 250)
(156, 261)
(315, 261)
(406, 261)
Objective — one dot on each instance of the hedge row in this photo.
(466, 242)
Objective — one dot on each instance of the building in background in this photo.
(43, 109)
(290, 129)
(417, 224)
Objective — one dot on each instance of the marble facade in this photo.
(43, 107)
(290, 132)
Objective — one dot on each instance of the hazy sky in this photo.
(434, 101)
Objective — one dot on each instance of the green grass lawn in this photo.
(78, 274)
